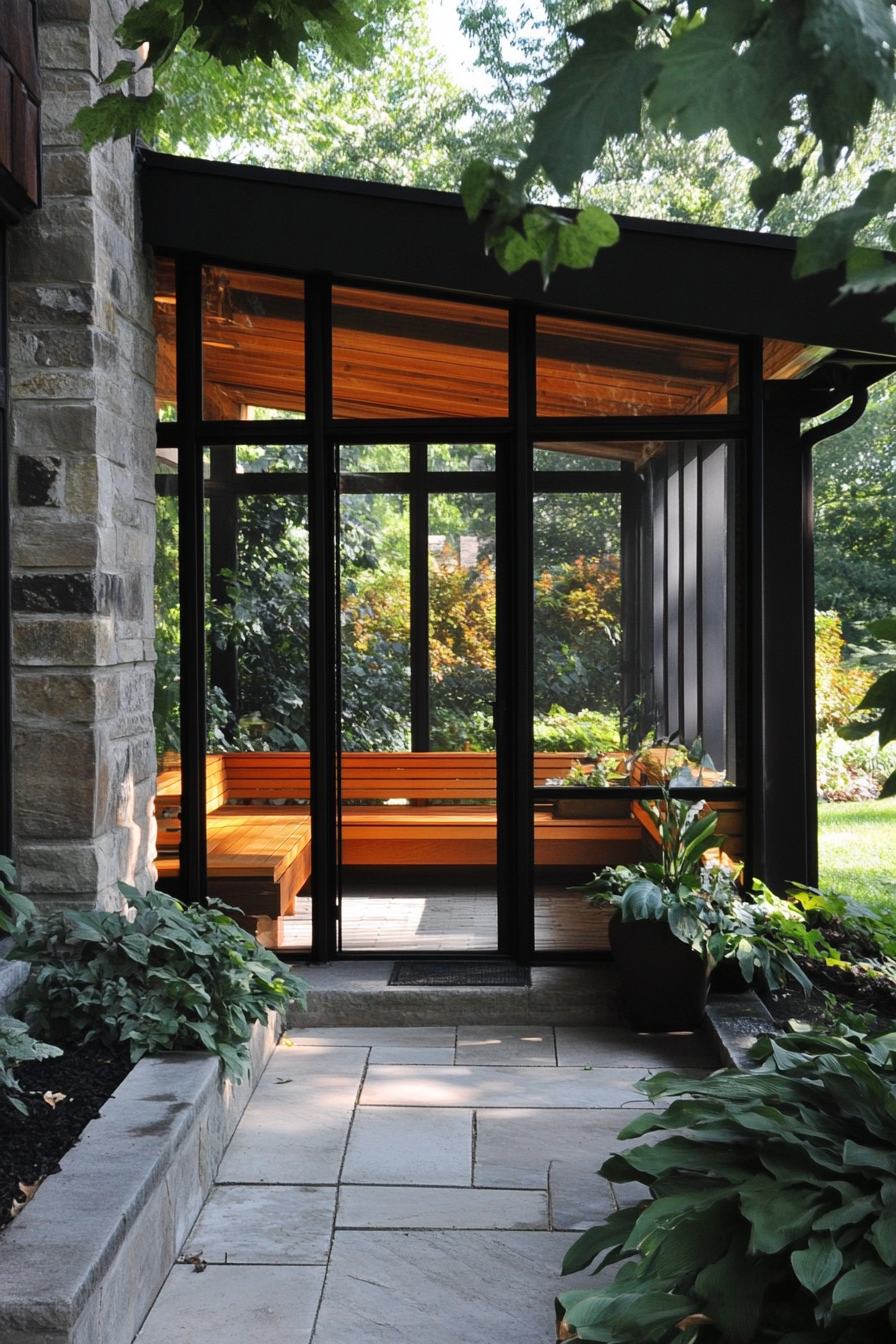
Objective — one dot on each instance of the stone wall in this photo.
(83, 523)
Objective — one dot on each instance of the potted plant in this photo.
(679, 917)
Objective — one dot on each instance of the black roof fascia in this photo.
(723, 281)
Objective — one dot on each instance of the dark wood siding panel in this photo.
(19, 104)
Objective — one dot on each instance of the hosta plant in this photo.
(156, 974)
(17, 1044)
(769, 1214)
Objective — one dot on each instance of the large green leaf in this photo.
(733, 1289)
(864, 1289)
(778, 1217)
(611, 1233)
(831, 240)
(848, 47)
(596, 96)
(883, 1238)
(818, 1263)
(642, 900)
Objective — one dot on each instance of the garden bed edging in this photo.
(83, 1263)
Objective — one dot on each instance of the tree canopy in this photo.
(789, 85)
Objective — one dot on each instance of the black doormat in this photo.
(459, 974)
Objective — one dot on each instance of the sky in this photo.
(452, 43)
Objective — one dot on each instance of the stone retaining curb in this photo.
(733, 1023)
(83, 1263)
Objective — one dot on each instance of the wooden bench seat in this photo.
(401, 809)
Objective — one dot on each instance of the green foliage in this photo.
(230, 31)
(880, 699)
(588, 731)
(156, 974)
(788, 87)
(17, 1044)
(770, 1211)
(325, 115)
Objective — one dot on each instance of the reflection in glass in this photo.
(462, 622)
(375, 603)
(399, 355)
(581, 456)
(461, 457)
(164, 315)
(272, 457)
(585, 368)
(374, 457)
(253, 345)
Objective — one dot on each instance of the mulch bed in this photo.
(31, 1146)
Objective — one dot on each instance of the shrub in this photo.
(771, 1218)
(156, 974)
(16, 1045)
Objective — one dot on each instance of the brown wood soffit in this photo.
(401, 355)
(20, 96)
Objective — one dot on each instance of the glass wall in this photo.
(418, 767)
(384, 579)
(635, 615)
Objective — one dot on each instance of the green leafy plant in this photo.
(156, 974)
(879, 699)
(701, 901)
(17, 1044)
(770, 1215)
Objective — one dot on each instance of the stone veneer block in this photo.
(84, 1262)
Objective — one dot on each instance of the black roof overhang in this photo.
(715, 280)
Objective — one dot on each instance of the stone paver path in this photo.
(403, 1183)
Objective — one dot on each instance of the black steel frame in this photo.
(514, 481)
(6, 744)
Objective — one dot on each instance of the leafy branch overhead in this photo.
(231, 31)
(791, 83)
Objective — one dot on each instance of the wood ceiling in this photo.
(403, 356)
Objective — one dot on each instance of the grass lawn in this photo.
(857, 850)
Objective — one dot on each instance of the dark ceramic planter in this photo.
(664, 983)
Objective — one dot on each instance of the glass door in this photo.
(418, 827)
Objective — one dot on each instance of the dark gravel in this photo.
(31, 1146)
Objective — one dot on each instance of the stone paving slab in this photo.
(604, 1047)
(495, 1085)
(295, 1131)
(415, 1207)
(236, 1304)
(454, 1287)
(414, 1054)
(579, 1198)
(425, 1037)
(515, 1147)
(505, 1045)
(265, 1225)
(406, 1145)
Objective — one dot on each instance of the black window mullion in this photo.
(323, 610)
(419, 556)
(223, 525)
(191, 569)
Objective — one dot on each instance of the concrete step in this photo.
(357, 993)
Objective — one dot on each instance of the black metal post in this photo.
(6, 809)
(782, 779)
(324, 613)
(516, 840)
(191, 569)
(419, 558)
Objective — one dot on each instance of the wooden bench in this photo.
(427, 809)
